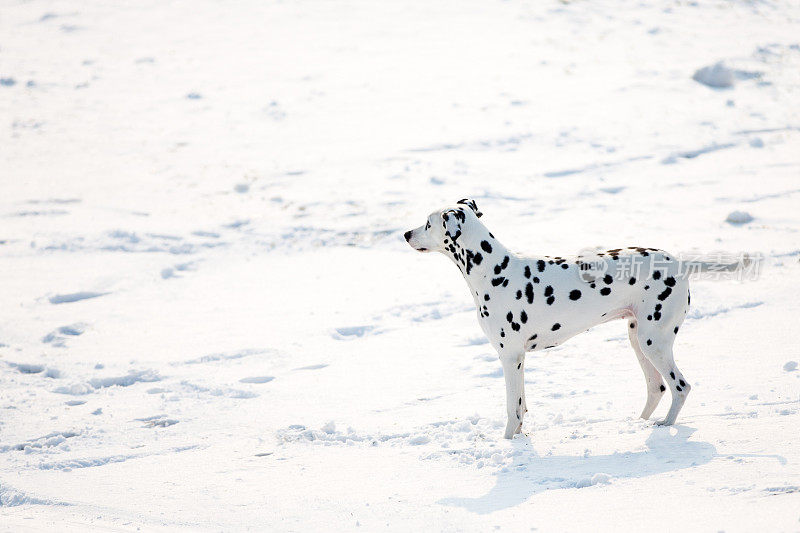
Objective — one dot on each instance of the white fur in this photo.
(665, 301)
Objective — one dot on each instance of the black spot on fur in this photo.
(657, 315)
(633, 325)
(676, 329)
(574, 294)
(663, 388)
(649, 317)
(510, 316)
(498, 281)
(523, 317)
(500, 267)
(605, 291)
(631, 281)
(529, 293)
(669, 282)
(664, 295)
(519, 295)
(683, 383)
(533, 337)
(505, 283)
(469, 261)
(527, 271)
(548, 291)
(551, 300)
(486, 247)
(502, 332)
(649, 342)
(520, 400)
(657, 274)
(519, 365)
(486, 297)
(564, 266)
(672, 375)
(540, 265)
(678, 388)
(535, 279)
(477, 258)
(607, 279)
(556, 326)
(646, 287)
(515, 326)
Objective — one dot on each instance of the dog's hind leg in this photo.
(655, 387)
(515, 392)
(657, 348)
(522, 377)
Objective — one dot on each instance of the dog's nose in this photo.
(407, 235)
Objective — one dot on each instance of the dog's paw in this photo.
(512, 428)
(663, 423)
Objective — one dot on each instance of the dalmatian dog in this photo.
(529, 304)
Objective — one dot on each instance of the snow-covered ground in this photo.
(210, 319)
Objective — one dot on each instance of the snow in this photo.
(717, 75)
(739, 217)
(211, 320)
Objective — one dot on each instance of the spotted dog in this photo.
(529, 304)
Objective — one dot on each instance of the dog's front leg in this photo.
(515, 392)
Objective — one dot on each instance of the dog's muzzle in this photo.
(409, 235)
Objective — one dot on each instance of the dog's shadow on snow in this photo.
(531, 473)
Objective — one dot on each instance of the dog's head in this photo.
(444, 226)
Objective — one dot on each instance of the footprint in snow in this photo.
(28, 368)
(59, 336)
(160, 421)
(75, 297)
(349, 333)
(207, 234)
(163, 423)
(257, 379)
(172, 272)
(312, 367)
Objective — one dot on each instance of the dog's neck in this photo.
(477, 253)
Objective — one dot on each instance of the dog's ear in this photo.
(472, 205)
(451, 222)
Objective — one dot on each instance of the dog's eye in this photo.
(428, 225)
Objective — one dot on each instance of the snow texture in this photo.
(717, 75)
(211, 320)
